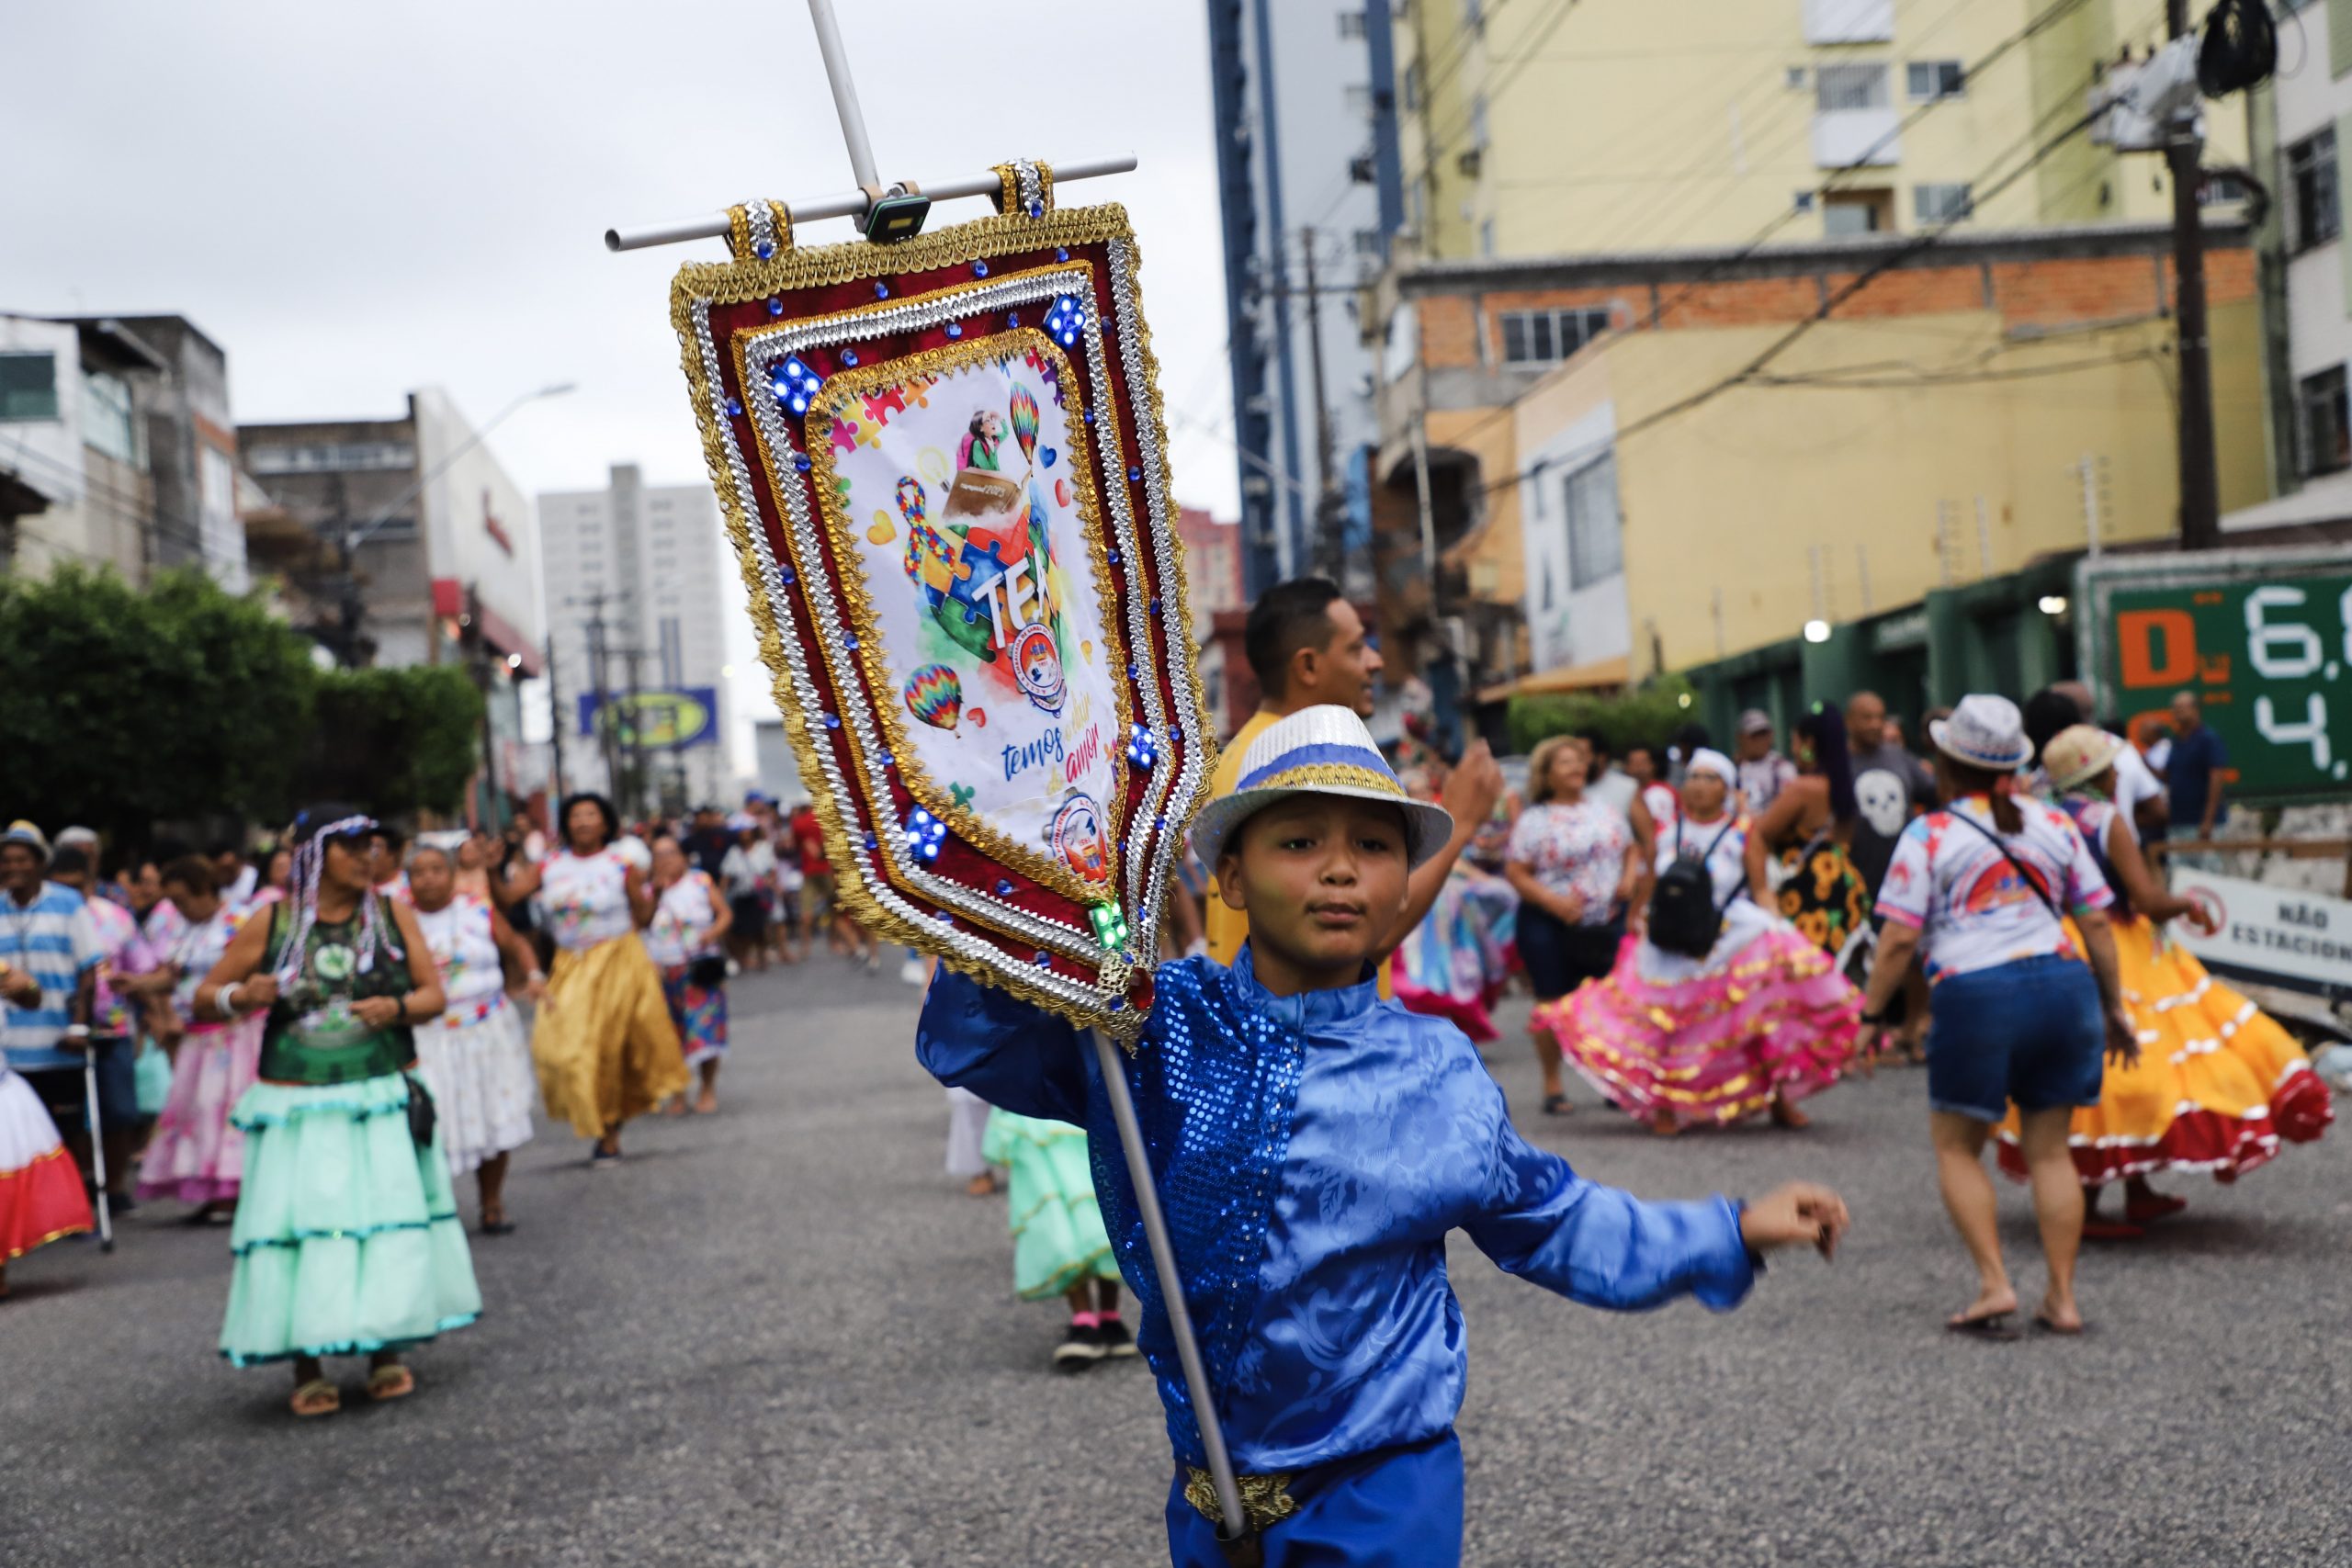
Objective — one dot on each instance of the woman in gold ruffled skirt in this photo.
(604, 1043)
(2219, 1086)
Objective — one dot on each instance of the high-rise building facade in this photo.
(635, 605)
(1566, 127)
(1308, 198)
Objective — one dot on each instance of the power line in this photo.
(1751, 373)
(1771, 141)
(2051, 18)
(124, 503)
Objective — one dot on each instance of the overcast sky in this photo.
(356, 200)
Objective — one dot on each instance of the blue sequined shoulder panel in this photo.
(1215, 1085)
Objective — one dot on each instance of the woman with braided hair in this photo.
(346, 1239)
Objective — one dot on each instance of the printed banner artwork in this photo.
(963, 505)
(943, 468)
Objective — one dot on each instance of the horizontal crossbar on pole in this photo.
(849, 204)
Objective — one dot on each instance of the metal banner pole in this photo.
(828, 44)
(1171, 1284)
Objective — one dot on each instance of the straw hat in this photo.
(2079, 753)
(1984, 731)
(1318, 750)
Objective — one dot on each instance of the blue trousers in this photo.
(1391, 1508)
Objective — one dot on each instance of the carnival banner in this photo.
(943, 467)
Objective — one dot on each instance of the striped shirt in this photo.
(50, 939)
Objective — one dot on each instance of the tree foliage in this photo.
(395, 741)
(121, 709)
(1647, 714)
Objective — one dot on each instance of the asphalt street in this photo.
(781, 1336)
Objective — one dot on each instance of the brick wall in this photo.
(2058, 291)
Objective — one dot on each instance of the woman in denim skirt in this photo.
(1981, 890)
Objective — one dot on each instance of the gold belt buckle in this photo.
(1265, 1499)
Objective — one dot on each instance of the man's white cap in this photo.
(1318, 750)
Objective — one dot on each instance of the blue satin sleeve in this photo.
(1012, 1054)
(1600, 1247)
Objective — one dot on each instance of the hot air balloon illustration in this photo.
(935, 694)
(1024, 422)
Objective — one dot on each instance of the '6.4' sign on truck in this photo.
(2262, 638)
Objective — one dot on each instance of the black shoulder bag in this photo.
(1684, 915)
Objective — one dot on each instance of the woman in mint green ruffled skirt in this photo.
(346, 1239)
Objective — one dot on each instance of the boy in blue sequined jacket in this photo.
(1312, 1146)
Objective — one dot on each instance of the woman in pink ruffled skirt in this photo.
(1720, 1010)
(196, 1156)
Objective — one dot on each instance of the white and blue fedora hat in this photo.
(1984, 731)
(1318, 750)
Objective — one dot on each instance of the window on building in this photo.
(330, 456)
(1840, 87)
(2326, 422)
(1368, 241)
(1474, 13)
(28, 385)
(1940, 203)
(1798, 78)
(2314, 205)
(1596, 544)
(1929, 79)
(1351, 24)
(1413, 86)
(1849, 212)
(107, 424)
(1804, 200)
(2220, 190)
(1486, 237)
(1546, 337)
(1478, 123)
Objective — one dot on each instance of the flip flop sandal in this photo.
(387, 1383)
(1558, 1105)
(2042, 1325)
(498, 1227)
(1993, 1326)
(324, 1399)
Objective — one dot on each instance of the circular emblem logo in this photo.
(1037, 665)
(335, 962)
(1077, 838)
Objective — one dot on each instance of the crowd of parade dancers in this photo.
(312, 1047)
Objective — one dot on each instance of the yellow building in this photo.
(1719, 464)
(1531, 128)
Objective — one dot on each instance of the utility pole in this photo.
(2201, 499)
(555, 717)
(601, 689)
(1328, 543)
(636, 755)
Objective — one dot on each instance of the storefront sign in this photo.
(2266, 645)
(665, 720)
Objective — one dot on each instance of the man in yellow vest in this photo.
(1308, 646)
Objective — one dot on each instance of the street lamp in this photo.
(2052, 604)
(1816, 631)
(351, 539)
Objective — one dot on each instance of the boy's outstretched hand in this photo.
(1799, 1214)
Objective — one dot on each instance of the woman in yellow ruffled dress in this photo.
(2219, 1086)
(603, 1041)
